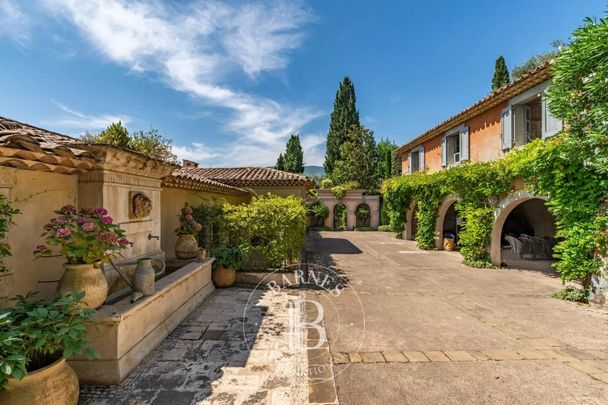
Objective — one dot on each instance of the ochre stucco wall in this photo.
(484, 135)
(37, 195)
(172, 201)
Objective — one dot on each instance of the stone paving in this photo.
(236, 348)
(437, 331)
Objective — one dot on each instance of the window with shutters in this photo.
(455, 146)
(415, 163)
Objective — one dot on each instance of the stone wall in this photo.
(351, 200)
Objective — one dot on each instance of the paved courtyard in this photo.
(437, 331)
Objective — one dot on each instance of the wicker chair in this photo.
(519, 247)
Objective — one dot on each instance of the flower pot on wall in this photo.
(186, 247)
(223, 277)
(55, 384)
(84, 277)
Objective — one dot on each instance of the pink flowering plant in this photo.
(82, 236)
(187, 224)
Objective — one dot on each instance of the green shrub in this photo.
(35, 333)
(228, 257)
(214, 231)
(341, 189)
(364, 229)
(572, 294)
(384, 228)
(340, 217)
(318, 213)
(362, 212)
(327, 183)
(271, 226)
(6, 220)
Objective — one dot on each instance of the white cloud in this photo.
(194, 47)
(82, 122)
(14, 23)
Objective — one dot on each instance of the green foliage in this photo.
(228, 257)
(317, 213)
(6, 220)
(280, 162)
(151, 143)
(362, 212)
(537, 60)
(358, 159)
(501, 74)
(340, 217)
(327, 183)
(343, 116)
(572, 294)
(385, 151)
(214, 232)
(294, 157)
(271, 226)
(341, 189)
(82, 236)
(384, 228)
(396, 163)
(364, 229)
(35, 333)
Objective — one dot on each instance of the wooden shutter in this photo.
(421, 158)
(506, 123)
(444, 152)
(409, 163)
(464, 143)
(551, 125)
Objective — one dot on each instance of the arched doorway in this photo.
(362, 216)
(448, 223)
(340, 217)
(523, 235)
(411, 222)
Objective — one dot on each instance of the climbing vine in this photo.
(6, 220)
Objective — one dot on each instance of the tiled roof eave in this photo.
(529, 80)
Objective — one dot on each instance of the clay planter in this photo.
(55, 384)
(223, 277)
(84, 277)
(186, 247)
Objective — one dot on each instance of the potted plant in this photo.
(36, 336)
(227, 260)
(85, 238)
(186, 245)
(6, 274)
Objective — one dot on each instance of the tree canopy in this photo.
(294, 156)
(359, 159)
(343, 116)
(501, 74)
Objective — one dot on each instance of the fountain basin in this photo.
(127, 332)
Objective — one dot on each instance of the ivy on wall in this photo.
(6, 215)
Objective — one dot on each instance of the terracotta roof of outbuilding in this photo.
(536, 76)
(250, 176)
(28, 147)
(186, 178)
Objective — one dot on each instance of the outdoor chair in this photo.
(536, 248)
(519, 247)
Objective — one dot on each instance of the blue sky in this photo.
(229, 81)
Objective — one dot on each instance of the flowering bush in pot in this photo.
(86, 238)
(186, 245)
(35, 337)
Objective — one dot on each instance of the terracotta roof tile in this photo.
(536, 76)
(250, 176)
(189, 179)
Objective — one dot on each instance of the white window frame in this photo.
(454, 135)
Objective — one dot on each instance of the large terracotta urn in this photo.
(55, 384)
(223, 277)
(84, 277)
(186, 247)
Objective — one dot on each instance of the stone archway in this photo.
(520, 212)
(340, 217)
(411, 222)
(362, 216)
(445, 210)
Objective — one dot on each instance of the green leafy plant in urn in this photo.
(227, 260)
(186, 245)
(86, 238)
(36, 336)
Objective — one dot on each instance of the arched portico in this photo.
(446, 211)
(521, 213)
(411, 222)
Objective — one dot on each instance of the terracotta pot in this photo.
(223, 277)
(448, 244)
(55, 384)
(186, 247)
(84, 277)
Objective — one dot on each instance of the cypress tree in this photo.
(501, 74)
(343, 116)
(280, 163)
(294, 156)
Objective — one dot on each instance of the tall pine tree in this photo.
(280, 163)
(294, 156)
(343, 116)
(501, 74)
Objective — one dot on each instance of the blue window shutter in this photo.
(444, 152)
(507, 128)
(409, 163)
(421, 158)
(464, 144)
